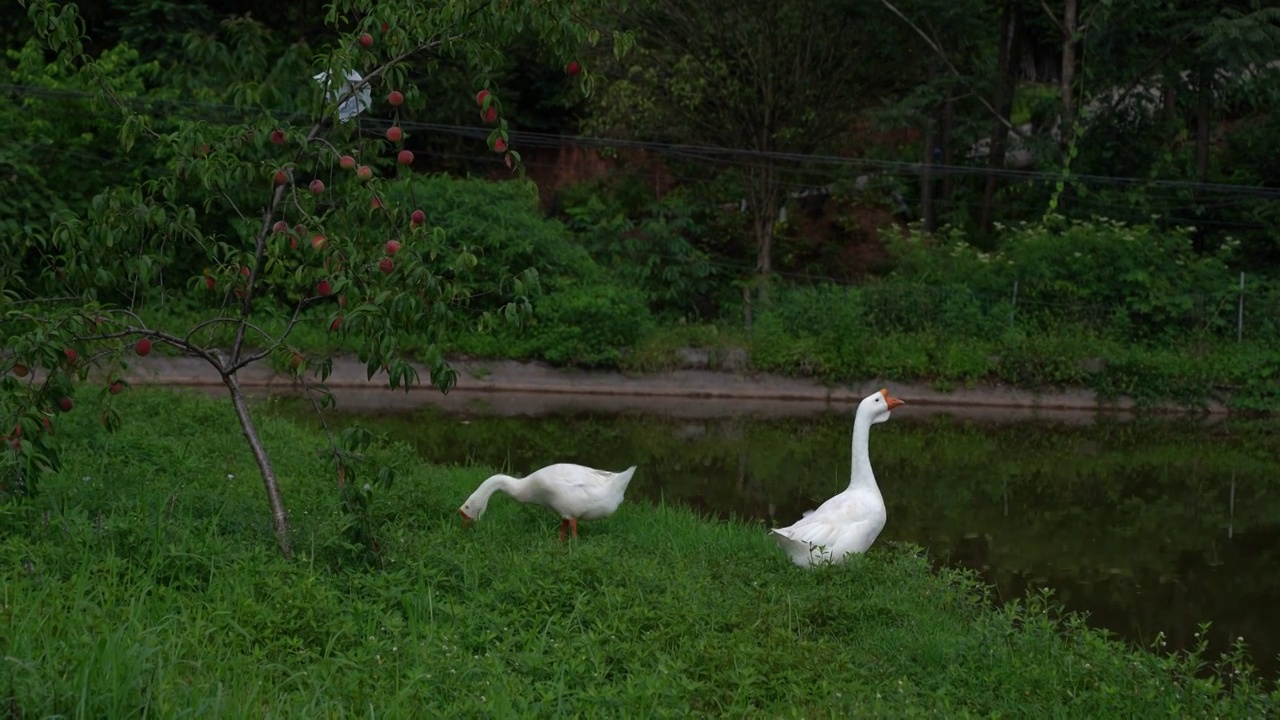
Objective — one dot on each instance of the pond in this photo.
(1147, 524)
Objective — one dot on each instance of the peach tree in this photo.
(276, 217)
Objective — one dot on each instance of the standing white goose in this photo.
(848, 522)
(574, 492)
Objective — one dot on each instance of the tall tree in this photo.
(770, 81)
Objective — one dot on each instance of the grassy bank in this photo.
(145, 580)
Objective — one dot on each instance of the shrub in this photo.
(1131, 281)
(590, 325)
(652, 244)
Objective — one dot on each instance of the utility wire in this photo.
(740, 157)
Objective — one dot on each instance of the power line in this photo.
(1099, 206)
(740, 157)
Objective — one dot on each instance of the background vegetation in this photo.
(894, 242)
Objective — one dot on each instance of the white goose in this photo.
(574, 492)
(848, 522)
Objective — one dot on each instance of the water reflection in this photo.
(1149, 524)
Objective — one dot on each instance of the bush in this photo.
(590, 325)
(504, 226)
(652, 244)
(1127, 281)
(60, 146)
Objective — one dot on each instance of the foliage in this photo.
(263, 203)
(652, 611)
(655, 245)
(1124, 310)
(505, 226)
(756, 78)
(590, 325)
(60, 148)
(1136, 281)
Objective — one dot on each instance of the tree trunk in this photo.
(765, 222)
(927, 209)
(944, 142)
(1169, 106)
(764, 215)
(1204, 120)
(1204, 116)
(1069, 18)
(279, 519)
(1003, 104)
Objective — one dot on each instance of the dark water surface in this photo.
(1148, 524)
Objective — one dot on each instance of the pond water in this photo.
(1147, 524)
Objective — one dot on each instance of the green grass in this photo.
(144, 582)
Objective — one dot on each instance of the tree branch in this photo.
(293, 321)
(200, 326)
(237, 346)
(1048, 11)
(161, 335)
(937, 49)
(308, 387)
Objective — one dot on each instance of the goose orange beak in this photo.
(890, 401)
(466, 519)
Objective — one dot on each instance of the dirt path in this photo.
(678, 387)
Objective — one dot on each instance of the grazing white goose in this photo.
(848, 522)
(574, 492)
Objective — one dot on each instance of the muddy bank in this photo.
(674, 392)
